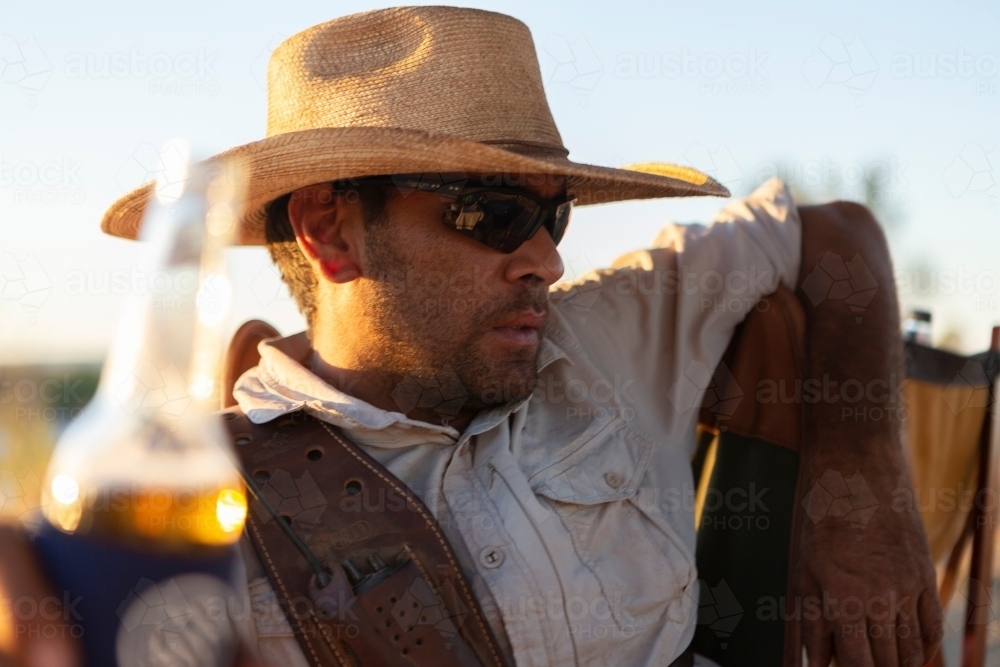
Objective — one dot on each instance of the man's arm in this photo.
(873, 575)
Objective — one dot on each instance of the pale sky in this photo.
(910, 90)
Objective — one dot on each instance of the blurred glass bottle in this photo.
(917, 327)
(142, 500)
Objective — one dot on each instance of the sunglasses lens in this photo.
(497, 219)
(560, 221)
(504, 220)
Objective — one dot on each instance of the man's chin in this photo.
(511, 383)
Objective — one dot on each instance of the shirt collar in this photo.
(282, 382)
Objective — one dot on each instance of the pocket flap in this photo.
(607, 467)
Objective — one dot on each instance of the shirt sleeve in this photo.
(664, 316)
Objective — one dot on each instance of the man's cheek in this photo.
(394, 280)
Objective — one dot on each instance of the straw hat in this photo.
(412, 90)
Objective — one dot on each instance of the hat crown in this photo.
(467, 73)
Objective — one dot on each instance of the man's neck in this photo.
(377, 388)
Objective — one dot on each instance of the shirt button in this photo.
(613, 479)
(491, 557)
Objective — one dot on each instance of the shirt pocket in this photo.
(640, 562)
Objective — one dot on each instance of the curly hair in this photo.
(287, 256)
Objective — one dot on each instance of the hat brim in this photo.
(281, 164)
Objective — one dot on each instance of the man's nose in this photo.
(536, 261)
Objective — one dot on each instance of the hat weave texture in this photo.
(430, 90)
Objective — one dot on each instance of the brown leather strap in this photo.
(411, 605)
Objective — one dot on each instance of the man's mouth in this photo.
(522, 330)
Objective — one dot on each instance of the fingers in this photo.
(34, 631)
(852, 648)
(931, 622)
(814, 626)
(818, 643)
(909, 644)
(879, 640)
(908, 635)
(882, 642)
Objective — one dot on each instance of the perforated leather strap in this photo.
(397, 595)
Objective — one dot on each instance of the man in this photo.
(413, 189)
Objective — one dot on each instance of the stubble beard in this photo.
(442, 350)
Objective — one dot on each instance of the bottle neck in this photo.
(168, 350)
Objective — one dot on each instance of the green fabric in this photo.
(743, 544)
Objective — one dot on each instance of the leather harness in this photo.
(371, 579)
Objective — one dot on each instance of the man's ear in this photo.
(328, 229)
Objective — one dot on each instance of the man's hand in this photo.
(34, 631)
(868, 589)
(866, 582)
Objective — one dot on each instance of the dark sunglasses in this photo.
(502, 218)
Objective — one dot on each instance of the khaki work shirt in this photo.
(572, 511)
